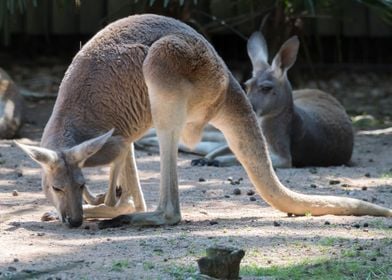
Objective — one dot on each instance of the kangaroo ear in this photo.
(286, 56)
(43, 156)
(258, 52)
(80, 153)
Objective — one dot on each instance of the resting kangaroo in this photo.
(301, 128)
(304, 127)
(144, 70)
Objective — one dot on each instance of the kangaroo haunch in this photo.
(144, 70)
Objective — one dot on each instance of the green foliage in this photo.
(120, 265)
(348, 268)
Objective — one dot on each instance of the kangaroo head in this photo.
(269, 89)
(62, 178)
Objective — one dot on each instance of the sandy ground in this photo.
(212, 215)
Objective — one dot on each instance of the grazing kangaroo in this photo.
(144, 70)
(304, 127)
(11, 106)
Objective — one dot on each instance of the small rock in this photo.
(371, 160)
(250, 192)
(40, 233)
(227, 196)
(313, 170)
(19, 174)
(365, 225)
(364, 188)
(269, 261)
(236, 191)
(28, 271)
(201, 179)
(252, 198)
(213, 223)
(289, 214)
(367, 174)
(221, 262)
(357, 225)
(345, 185)
(313, 186)
(16, 260)
(327, 223)
(87, 227)
(15, 193)
(276, 224)
(11, 268)
(373, 259)
(334, 182)
(230, 179)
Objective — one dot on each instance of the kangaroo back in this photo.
(324, 130)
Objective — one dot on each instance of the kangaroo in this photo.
(11, 106)
(147, 70)
(304, 127)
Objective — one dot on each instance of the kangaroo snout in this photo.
(73, 222)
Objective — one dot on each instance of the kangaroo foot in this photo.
(104, 211)
(155, 218)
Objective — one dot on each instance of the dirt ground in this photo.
(355, 247)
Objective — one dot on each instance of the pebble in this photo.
(357, 225)
(334, 182)
(313, 186)
(289, 214)
(250, 192)
(227, 196)
(19, 174)
(201, 179)
(313, 170)
(276, 224)
(236, 191)
(373, 259)
(213, 223)
(367, 174)
(327, 223)
(365, 225)
(15, 193)
(364, 188)
(11, 268)
(252, 198)
(40, 233)
(16, 260)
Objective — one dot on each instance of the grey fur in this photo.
(304, 127)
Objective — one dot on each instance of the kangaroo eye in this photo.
(265, 89)
(56, 189)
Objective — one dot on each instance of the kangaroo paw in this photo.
(49, 216)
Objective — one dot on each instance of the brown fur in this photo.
(152, 69)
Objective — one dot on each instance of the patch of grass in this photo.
(148, 265)
(329, 241)
(119, 265)
(386, 175)
(321, 269)
(182, 272)
(365, 121)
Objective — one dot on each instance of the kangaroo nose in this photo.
(73, 223)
